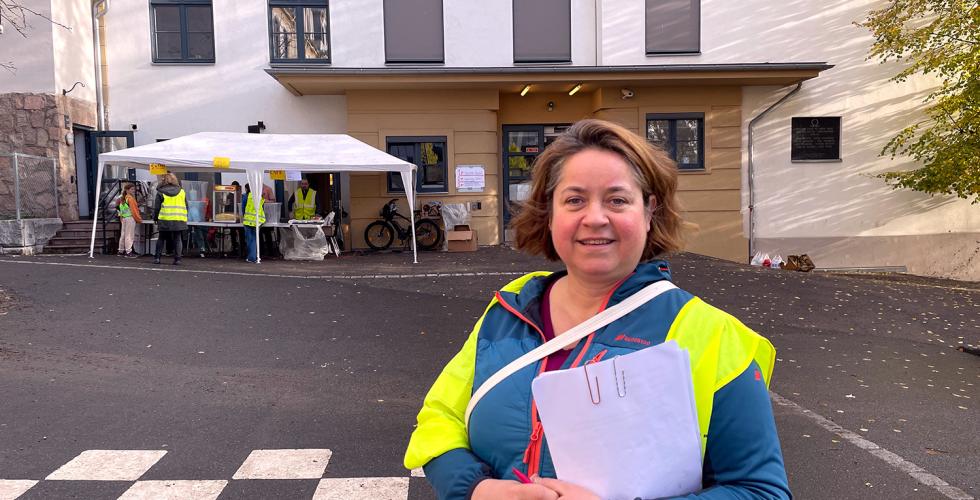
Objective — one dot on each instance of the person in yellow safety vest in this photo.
(171, 216)
(303, 202)
(603, 202)
(249, 221)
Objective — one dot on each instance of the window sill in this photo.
(209, 62)
(280, 63)
(668, 54)
(837, 160)
(701, 170)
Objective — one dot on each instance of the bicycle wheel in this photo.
(427, 234)
(379, 235)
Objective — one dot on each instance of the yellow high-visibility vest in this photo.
(174, 207)
(304, 208)
(248, 218)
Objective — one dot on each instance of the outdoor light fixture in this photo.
(525, 90)
(575, 89)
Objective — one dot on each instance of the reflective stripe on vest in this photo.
(248, 218)
(721, 348)
(174, 207)
(304, 208)
(123, 207)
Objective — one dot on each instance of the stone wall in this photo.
(35, 124)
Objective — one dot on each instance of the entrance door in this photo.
(521, 145)
(103, 142)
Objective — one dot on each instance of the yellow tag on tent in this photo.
(277, 175)
(221, 162)
(157, 169)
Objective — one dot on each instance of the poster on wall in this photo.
(470, 179)
(816, 139)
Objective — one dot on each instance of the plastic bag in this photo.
(777, 262)
(294, 245)
(760, 259)
(454, 214)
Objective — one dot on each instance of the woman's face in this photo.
(599, 221)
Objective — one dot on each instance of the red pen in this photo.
(520, 476)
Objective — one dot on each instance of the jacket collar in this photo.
(528, 300)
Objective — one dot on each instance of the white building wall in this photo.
(33, 56)
(74, 56)
(167, 101)
(840, 211)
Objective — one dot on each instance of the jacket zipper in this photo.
(532, 454)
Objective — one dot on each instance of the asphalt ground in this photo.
(215, 358)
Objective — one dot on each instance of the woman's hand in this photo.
(494, 489)
(565, 490)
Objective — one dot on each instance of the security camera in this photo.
(627, 93)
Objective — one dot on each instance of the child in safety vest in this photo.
(129, 216)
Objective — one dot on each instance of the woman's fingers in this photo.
(565, 490)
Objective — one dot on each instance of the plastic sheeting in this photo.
(295, 245)
(454, 214)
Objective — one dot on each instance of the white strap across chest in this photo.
(568, 338)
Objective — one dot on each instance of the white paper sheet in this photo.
(645, 444)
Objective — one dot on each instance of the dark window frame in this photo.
(182, 7)
(299, 5)
(694, 51)
(417, 141)
(442, 24)
(513, 29)
(673, 118)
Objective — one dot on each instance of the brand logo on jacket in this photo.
(622, 337)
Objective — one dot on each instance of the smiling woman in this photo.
(603, 202)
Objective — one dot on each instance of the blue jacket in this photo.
(742, 458)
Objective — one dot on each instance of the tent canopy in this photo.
(258, 153)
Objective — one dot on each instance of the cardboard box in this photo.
(461, 239)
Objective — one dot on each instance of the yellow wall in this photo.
(468, 120)
(471, 121)
(712, 198)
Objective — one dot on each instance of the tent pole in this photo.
(95, 213)
(256, 197)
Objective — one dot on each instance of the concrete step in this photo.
(61, 249)
(86, 234)
(84, 241)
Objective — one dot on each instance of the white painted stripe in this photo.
(366, 488)
(284, 464)
(13, 488)
(918, 473)
(174, 490)
(170, 269)
(418, 472)
(107, 465)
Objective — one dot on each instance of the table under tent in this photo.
(256, 154)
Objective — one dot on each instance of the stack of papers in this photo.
(626, 427)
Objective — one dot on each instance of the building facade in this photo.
(452, 86)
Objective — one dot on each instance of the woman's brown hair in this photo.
(654, 171)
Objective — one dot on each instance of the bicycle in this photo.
(380, 234)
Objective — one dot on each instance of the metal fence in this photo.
(28, 187)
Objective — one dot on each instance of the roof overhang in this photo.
(319, 80)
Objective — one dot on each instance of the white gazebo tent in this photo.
(257, 153)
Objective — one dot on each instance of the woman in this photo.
(129, 217)
(171, 216)
(603, 202)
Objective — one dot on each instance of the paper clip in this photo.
(598, 397)
(616, 371)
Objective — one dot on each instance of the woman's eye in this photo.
(618, 202)
(574, 201)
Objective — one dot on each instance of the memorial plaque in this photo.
(816, 138)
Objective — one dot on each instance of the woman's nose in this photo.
(595, 214)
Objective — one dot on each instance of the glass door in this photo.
(521, 146)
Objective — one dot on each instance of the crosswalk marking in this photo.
(357, 488)
(174, 490)
(11, 489)
(284, 464)
(107, 465)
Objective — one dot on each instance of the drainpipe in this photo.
(752, 124)
(99, 8)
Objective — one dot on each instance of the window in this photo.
(542, 31)
(429, 155)
(413, 31)
(299, 31)
(183, 31)
(681, 136)
(673, 26)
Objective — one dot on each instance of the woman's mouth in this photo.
(595, 241)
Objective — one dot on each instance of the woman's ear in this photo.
(651, 208)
